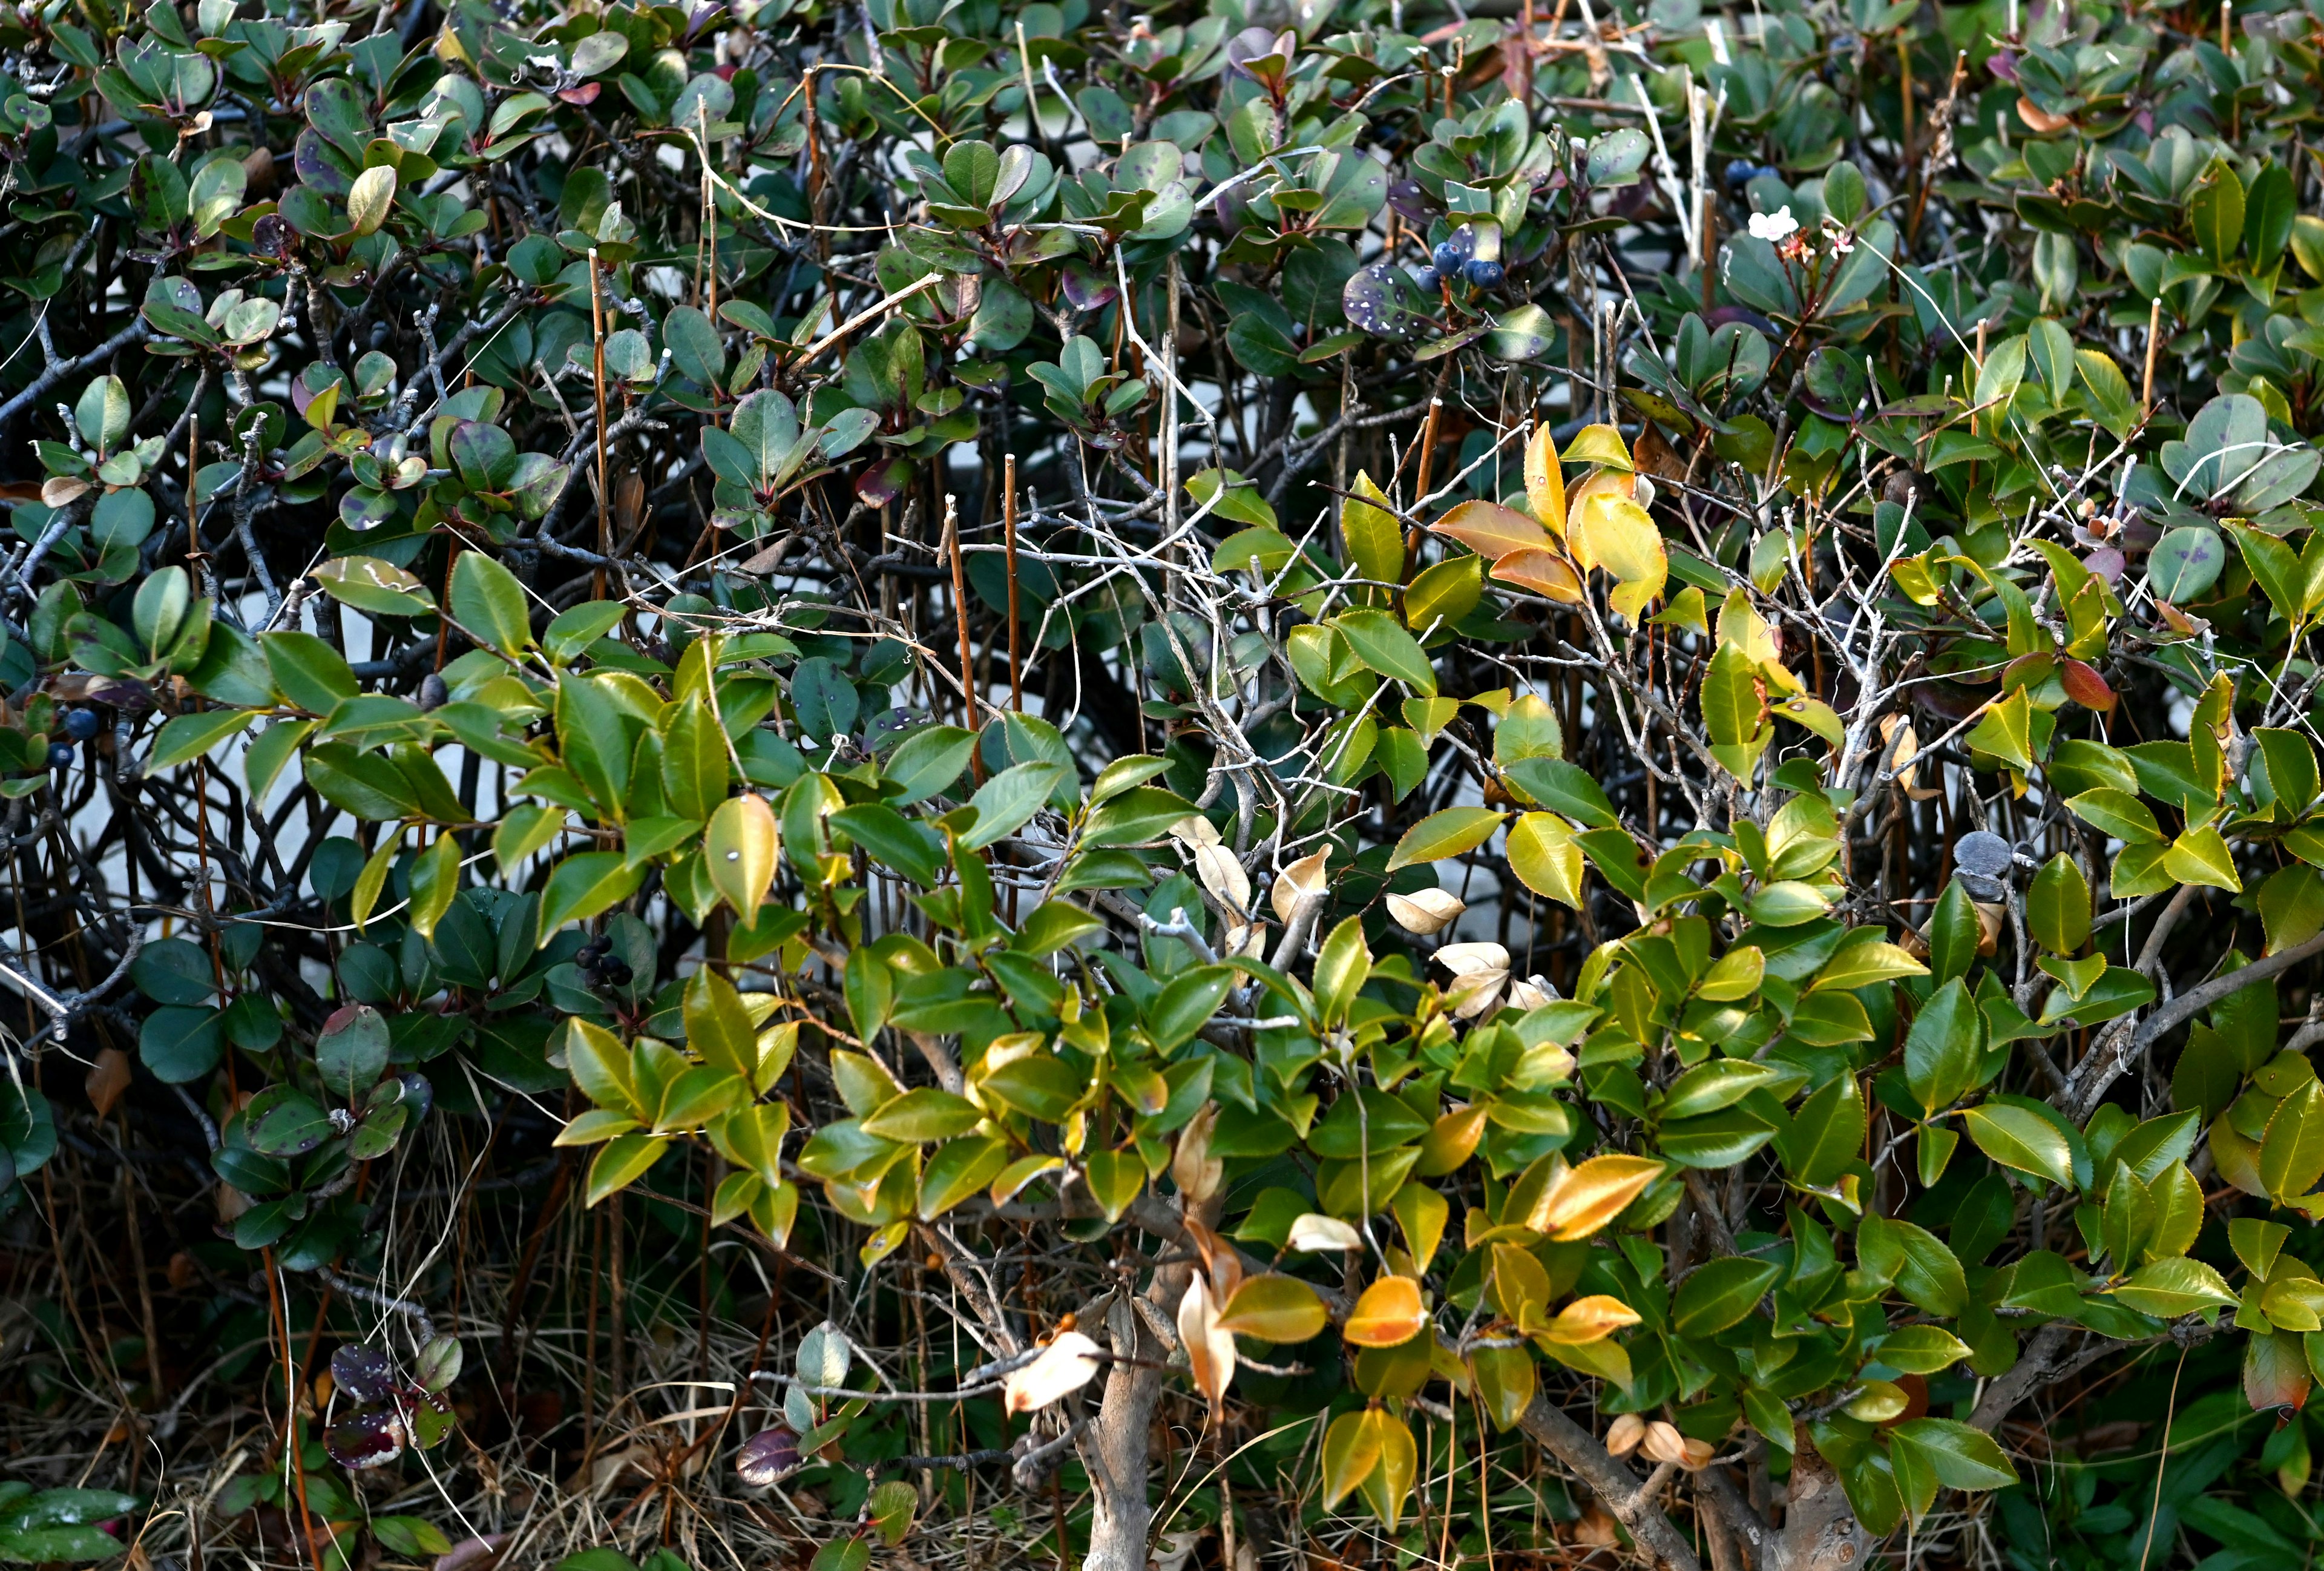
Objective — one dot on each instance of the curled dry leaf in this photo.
(1664, 1443)
(1302, 881)
(1065, 1366)
(108, 1077)
(1318, 1235)
(1194, 831)
(1209, 1350)
(2039, 120)
(1196, 1172)
(1425, 911)
(1531, 994)
(1623, 1435)
(1222, 873)
(767, 1455)
(472, 1554)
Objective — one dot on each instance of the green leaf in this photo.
(2058, 906)
(2119, 814)
(957, 1170)
(1135, 817)
(1008, 801)
(1921, 1349)
(622, 1161)
(1941, 1051)
(1826, 1134)
(1960, 1455)
(1453, 832)
(1565, 788)
(1721, 1293)
(2168, 1289)
(1387, 648)
(351, 1052)
(923, 1114)
(2023, 1141)
(1927, 1273)
(927, 761)
(488, 602)
(2291, 1152)
(310, 673)
(1183, 1006)
(187, 737)
(586, 885)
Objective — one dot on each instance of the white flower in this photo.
(1842, 242)
(1775, 226)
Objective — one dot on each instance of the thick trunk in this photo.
(1821, 1532)
(1114, 1450)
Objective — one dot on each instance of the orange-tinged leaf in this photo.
(1544, 481)
(1543, 571)
(1593, 1194)
(1591, 1319)
(1388, 1315)
(2085, 687)
(1490, 529)
(1450, 1142)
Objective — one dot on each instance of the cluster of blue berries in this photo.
(1448, 262)
(80, 725)
(1742, 171)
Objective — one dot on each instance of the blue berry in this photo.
(60, 754)
(1448, 257)
(80, 725)
(1485, 274)
(1739, 171)
(1429, 280)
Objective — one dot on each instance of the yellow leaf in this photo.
(1598, 483)
(1591, 1319)
(1375, 540)
(739, 851)
(1389, 1313)
(1274, 1308)
(1544, 481)
(1592, 1194)
(1421, 1213)
(1386, 1486)
(1546, 857)
(1601, 445)
(1351, 1453)
(1617, 535)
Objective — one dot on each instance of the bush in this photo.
(1170, 769)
